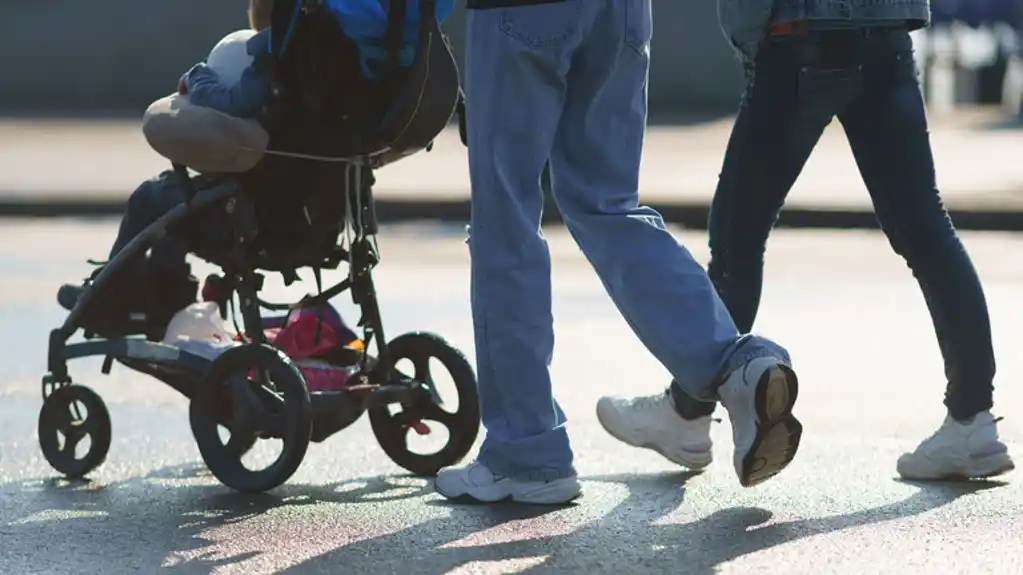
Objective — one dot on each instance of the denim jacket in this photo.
(745, 22)
(243, 99)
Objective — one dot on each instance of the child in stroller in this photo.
(148, 291)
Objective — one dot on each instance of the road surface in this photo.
(846, 307)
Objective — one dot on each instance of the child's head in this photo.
(230, 57)
(259, 14)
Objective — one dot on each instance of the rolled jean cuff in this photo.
(541, 458)
(745, 349)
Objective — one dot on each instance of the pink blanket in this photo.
(297, 338)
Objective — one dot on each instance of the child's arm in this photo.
(244, 99)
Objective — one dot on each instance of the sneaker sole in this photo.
(777, 431)
(467, 499)
(993, 466)
(983, 468)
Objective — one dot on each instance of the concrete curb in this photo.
(693, 215)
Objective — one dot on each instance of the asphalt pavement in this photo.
(846, 307)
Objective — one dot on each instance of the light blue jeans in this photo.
(566, 82)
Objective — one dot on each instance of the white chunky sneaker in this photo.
(959, 450)
(651, 422)
(759, 398)
(475, 483)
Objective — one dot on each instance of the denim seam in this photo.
(523, 36)
(639, 46)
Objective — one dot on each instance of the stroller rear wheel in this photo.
(70, 415)
(463, 424)
(256, 392)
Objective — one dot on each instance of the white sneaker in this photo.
(475, 483)
(759, 398)
(959, 451)
(651, 422)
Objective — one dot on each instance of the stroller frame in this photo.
(284, 408)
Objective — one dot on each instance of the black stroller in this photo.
(254, 391)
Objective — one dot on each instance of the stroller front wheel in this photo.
(462, 424)
(256, 392)
(71, 415)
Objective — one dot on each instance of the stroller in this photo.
(253, 390)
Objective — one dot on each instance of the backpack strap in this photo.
(427, 12)
(395, 36)
(278, 44)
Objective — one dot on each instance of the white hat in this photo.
(230, 56)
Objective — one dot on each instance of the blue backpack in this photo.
(351, 79)
(366, 20)
(366, 23)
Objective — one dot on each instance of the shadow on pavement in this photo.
(170, 530)
(141, 534)
(627, 537)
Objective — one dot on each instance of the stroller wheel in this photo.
(255, 391)
(462, 424)
(69, 416)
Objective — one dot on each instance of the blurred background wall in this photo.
(97, 57)
(102, 56)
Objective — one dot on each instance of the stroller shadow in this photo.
(189, 524)
(169, 530)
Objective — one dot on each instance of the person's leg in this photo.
(152, 199)
(211, 228)
(887, 130)
(129, 291)
(777, 127)
(167, 269)
(661, 291)
(517, 60)
(159, 285)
